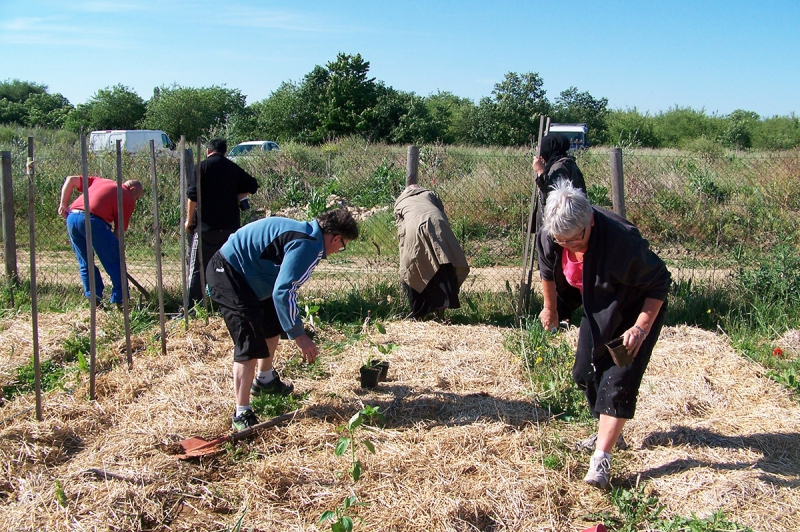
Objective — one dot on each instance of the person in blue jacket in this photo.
(254, 279)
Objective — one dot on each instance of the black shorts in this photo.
(610, 389)
(250, 321)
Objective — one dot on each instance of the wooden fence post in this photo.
(617, 181)
(412, 165)
(9, 228)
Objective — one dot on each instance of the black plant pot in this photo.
(383, 365)
(370, 376)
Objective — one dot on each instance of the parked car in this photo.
(133, 140)
(252, 146)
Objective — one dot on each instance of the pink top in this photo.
(573, 269)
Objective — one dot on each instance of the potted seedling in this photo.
(384, 350)
(370, 375)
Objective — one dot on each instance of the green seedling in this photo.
(311, 315)
(340, 518)
(353, 441)
(383, 349)
(61, 496)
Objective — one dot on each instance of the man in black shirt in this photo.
(223, 185)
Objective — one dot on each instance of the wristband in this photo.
(641, 330)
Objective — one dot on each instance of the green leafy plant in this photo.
(311, 315)
(51, 374)
(61, 496)
(340, 518)
(353, 441)
(634, 508)
(717, 522)
(383, 349)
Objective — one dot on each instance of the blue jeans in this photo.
(106, 248)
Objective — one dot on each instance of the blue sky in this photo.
(713, 55)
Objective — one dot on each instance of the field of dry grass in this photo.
(463, 448)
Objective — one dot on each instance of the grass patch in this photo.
(636, 510)
(51, 376)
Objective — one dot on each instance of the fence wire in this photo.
(699, 212)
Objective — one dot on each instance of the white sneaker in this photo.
(599, 470)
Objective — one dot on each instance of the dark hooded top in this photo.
(558, 165)
(620, 271)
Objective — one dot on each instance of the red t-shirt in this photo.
(573, 270)
(103, 200)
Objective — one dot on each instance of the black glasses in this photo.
(571, 240)
(344, 244)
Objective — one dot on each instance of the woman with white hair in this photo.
(592, 257)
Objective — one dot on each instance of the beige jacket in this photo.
(426, 240)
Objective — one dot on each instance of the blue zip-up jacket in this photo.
(276, 256)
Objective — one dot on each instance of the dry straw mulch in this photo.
(462, 450)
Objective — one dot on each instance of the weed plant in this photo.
(636, 510)
(548, 360)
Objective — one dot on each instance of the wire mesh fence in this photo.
(699, 212)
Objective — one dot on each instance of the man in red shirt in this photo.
(103, 212)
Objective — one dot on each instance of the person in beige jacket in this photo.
(432, 264)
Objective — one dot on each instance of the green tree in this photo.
(47, 110)
(739, 131)
(777, 133)
(349, 93)
(679, 126)
(117, 107)
(454, 114)
(12, 112)
(511, 115)
(573, 107)
(629, 127)
(417, 126)
(18, 91)
(190, 111)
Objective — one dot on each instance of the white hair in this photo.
(567, 209)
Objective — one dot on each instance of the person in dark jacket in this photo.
(592, 257)
(254, 279)
(553, 164)
(224, 185)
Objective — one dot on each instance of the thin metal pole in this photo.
(183, 233)
(199, 232)
(617, 181)
(412, 165)
(123, 265)
(37, 371)
(87, 224)
(157, 233)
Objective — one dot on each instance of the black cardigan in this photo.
(620, 271)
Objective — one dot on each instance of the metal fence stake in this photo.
(157, 233)
(123, 265)
(37, 368)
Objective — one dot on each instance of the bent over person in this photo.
(223, 184)
(254, 279)
(592, 257)
(103, 214)
(432, 264)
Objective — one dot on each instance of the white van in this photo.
(133, 140)
(576, 133)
